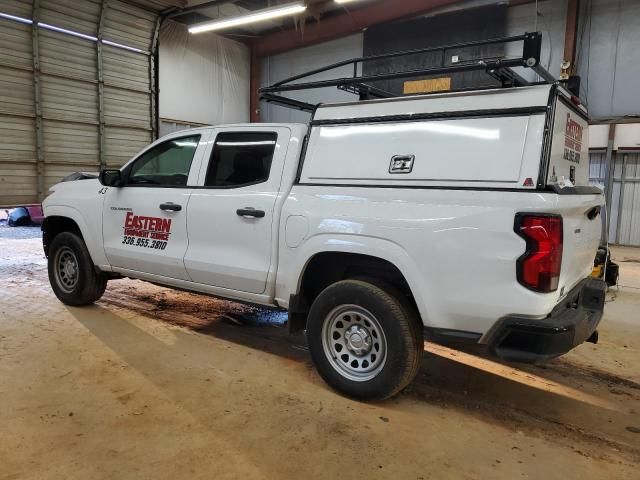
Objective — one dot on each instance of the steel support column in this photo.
(609, 162)
(100, 70)
(571, 36)
(254, 86)
(153, 80)
(40, 159)
(623, 174)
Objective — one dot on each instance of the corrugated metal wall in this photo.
(626, 198)
(72, 100)
(17, 107)
(624, 221)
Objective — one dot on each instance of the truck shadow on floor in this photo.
(581, 403)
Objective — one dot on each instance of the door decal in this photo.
(572, 140)
(148, 232)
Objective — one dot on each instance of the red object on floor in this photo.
(35, 212)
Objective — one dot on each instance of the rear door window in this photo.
(240, 159)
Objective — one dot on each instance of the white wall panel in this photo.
(627, 135)
(598, 136)
(203, 78)
(609, 57)
(551, 22)
(279, 67)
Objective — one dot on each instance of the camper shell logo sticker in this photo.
(147, 232)
(401, 163)
(572, 140)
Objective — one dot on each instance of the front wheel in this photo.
(72, 274)
(364, 341)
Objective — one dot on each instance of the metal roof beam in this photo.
(354, 21)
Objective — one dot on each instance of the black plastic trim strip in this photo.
(546, 137)
(451, 336)
(580, 190)
(420, 187)
(577, 190)
(305, 145)
(410, 117)
(303, 154)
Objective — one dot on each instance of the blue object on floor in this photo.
(19, 217)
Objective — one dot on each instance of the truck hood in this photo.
(79, 176)
(72, 193)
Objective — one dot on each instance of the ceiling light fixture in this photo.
(257, 16)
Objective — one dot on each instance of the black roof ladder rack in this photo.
(500, 68)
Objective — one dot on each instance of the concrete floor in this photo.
(151, 383)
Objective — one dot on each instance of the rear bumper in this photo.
(572, 321)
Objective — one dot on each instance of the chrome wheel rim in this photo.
(66, 269)
(354, 342)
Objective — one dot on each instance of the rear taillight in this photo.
(539, 267)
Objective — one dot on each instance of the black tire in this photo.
(79, 285)
(394, 316)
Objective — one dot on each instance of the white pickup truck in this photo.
(457, 217)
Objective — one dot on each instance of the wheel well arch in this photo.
(53, 226)
(326, 268)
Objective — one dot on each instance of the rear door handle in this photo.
(172, 207)
(250, 212)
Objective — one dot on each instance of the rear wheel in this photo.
(364, 341)
(72, 274)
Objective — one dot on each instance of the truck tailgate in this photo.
(582, 228)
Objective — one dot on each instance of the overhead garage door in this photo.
(76, 89)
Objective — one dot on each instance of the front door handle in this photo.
(250, 212)
(172, 207)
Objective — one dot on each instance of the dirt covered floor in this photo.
(156, 384)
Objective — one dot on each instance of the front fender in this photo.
(91, 230)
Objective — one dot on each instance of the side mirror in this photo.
(110, 177)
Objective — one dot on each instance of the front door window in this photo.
(165, 165)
